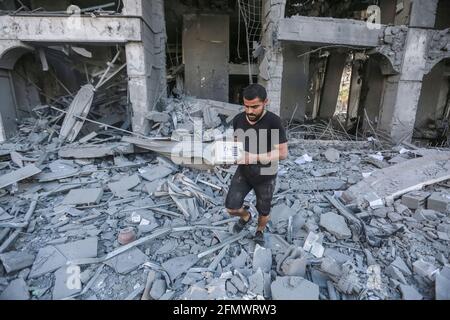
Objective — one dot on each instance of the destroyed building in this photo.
(95, 96)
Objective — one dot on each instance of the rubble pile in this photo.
(112, 217)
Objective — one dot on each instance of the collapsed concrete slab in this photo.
(392, 182)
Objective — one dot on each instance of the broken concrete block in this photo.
(409, 293)
(16, 260)
(175, 267)
(157, 116)
(374, 200)
(332, 155)
(415, 199)
(281, 213)
(158, 289)
(424, 269)
(239, 261)
(121, 187)
(47, 260)
(128, 261)
(237, 282)
(96, 151)
(439, 201)
(442, 285)
(294, 288)
(51, 258)
(262, 258)
(337, 256)
(16, 290)
(394, 273)
(256, 282)
(83, 196)
(66, 283)
(18, 175)
(295, 267)
(155, 172)
(336, 225)
(401, 265)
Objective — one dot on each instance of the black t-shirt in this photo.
(259, 138)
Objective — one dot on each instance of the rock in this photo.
(239, 261)
(294, 288)
(336, 225)
(332, 155)
(262, 258)
(237, 282)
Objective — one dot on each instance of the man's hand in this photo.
(248, 158)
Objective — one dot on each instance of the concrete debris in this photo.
(91, 190)
(127, 261)
(83, 196)
(262, 258)
(424, 269)
(16, 290)
(18, 175)
(332, 155)
(442, 286)
(439, 201)
(294, 288)
(16, 260)
(336, 225)
(409, 292)
(175, 267)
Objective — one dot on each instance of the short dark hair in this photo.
(254, 91)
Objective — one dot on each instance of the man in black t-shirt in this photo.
(265, 143)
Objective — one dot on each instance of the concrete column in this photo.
(355, 90)
(206, 55)
(330, 90)
(8, 124)
(146, 60)
(401, 97)
(271, 65)
(295, 82)
(410, 85)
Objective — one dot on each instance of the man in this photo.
(265, 143)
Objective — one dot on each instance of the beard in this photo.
(254, 117)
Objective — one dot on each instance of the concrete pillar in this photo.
(271, 64)
(330, 90)
(8, 124)
(355, 90)
(295, 82)
(146, 60)
(410, 85)
(423, 13)
(401, 97)
(388, 103)
(206, 55)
